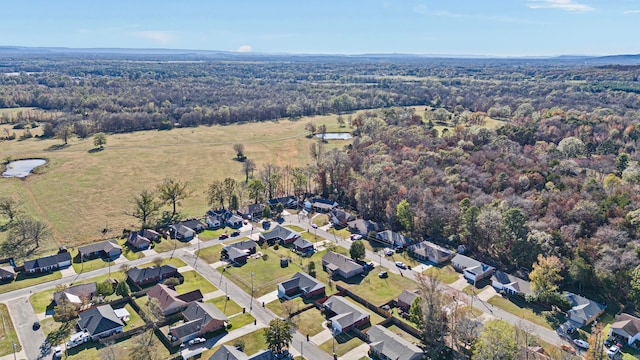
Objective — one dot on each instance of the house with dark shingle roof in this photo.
(253, 211)
(100, 321)
(344, 315)
(169, 301)
(627, 327)
(226, 352)
(364, 227)
(583, 311)
(279, 234)
(303, 245)
(181, 232)
(238, 252)
(393, 239)
(193, 223)
(340, 265)
(405, 299)
(289, 202)
(384, 344)
(48, 263)
(510, 284)
(104, 249)
(300, 284)
(199, 319)
(7, 273)
(234, 221)
(150, 275)
(428, 251)
(137, 241)
(473, 270)
(76, 294)
(323, 205)
(340, 218)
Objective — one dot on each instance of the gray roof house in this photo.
(100, 321)
(473, 270)
(406, 298)
(183, 233)
(48, 263)
(199, 319)
(303, 245)
(340, 265)
(340, 217)
(387, 345)
(364, 227)
(513, 285)
(279, 233)
(253, 211)
(239, 252)
(428, 251)
(346, 315)
(76, 294)
(626, 326)
(393, 239)
(226, 352)
(7, 273)
(301, 284)
(106, 249)
(583, 311)
(137, 241)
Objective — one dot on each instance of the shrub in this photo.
(172, 281)
(276, 247)
(239, 344)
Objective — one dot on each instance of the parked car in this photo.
(355, 236)
(57, 352)
(401, 265)
(235, 233)
(568, 348)
(613, 351)
(383, 274)
(314, 226)
(571, 330)
(246, 222)
(388, 252)
(196, 341)
(581, 343)
(266, 225)
(223, 236)
(35, 326)
(370, 266)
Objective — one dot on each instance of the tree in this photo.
(266, 212)
(278, 335)
(404, 215)
(230, 187)
(104, 288)
(153, 312)
(311, 268)
(65, 310)
(340, 120)
(545, 275)
(596, 340)
(145, 206)
(145, 347)
(256, 189)
(434, 323)
(100, 140)
(279, 209)
(172, 191)
(234, 204)
(157, 261)
(216, 194)
(571, 147)
(311, 128)
(28, 230)
(357, 250)
(322, 129)
(635, 286)
(497, 341)
(249, 166)
(622, 161)
(581, 272)
(415, 312)
(9, 207)
(64, 132)
(239, 149)
(122, 289)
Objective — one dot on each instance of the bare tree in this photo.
(435, 325)
(172, 191)
(239, 149)
(9, 207)
(145, 206)
(145, 347)
(249, 166)
(29, 230)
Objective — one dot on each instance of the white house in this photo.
(627, 327)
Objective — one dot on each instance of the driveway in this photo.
(23, 317)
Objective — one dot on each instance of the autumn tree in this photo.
(145, 346)
(100, 140)
(434, 323)
(145, 206)
(65, 311)
(545, 276)
(216, 193)
(311, 128)
(172, 192)
(496, 341)
(278, 335)
(357, 250)
(405, 215)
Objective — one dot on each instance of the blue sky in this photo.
(452, 27)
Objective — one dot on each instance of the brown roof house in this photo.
(76, 294)
(627, 327)
(344, 315)
(169, 300)
(137, 241)
(406, 298)
(428, 251)
(199, 319)
(340, 218)
(340, 265)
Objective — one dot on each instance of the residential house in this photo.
(199, 319)
(288, 202)
(181, 232)
(428, 251)
(627, 327)
(194, 224)
(301, 284)
(303, 245)
(227, 352)
(405, 299)
(473, 270)
(214, 221)
(104, 249)
(76, 294)
(393, 239)
(278, 234)
(510, 284)
(340, 265)
(364, 227)
(169, 301)
(48, 263)
(239, 252)
(253, 211)
(386, 345)
(7, 273)
(100, 321)
(340, 218)
(151, 235)
(234, 221)
(141, 277)
(583, 311)
(323, 205)
(137, 241)
(344, 315)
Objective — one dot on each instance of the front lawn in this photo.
(343, 233)
(118, 275)
(309, 322)
(445, 274)
(343, 343)
(22, 280)
(8, 335)
(310, 236)
(210, 254)
(253, 342)
(521, 309)
(296, 228)
(166, 261)
(168, 245)
(228, 307)
(278, 307)
(241, 320)
(321, 219)
(121, 349)
(376, 290)
(213, 234)
(129, 253)
(56, 332)
(193, 281)
(80, 265)
(42, 300)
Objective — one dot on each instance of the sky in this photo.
(430, 27)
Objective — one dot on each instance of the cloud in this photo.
(629, 12)
(161, 37)
(566, 5)
(244, 48)
(483, 17)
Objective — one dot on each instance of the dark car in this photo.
(223, 236)
(35, 326)
(235, 233)
(266, 225)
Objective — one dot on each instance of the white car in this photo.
(401, 265)
(356, 236)
(57, 352)
(314, 226)
(613, 351)
(388, 252)
(196, 341)
(581, 343)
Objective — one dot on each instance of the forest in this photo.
(560, 178)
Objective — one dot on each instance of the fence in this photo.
(385, 314)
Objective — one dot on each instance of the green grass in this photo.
(23, 281)
(165, 261)
(210, 254)
(213, 234)
(134, 319)
(310, 236)
(374, 318)
(403, 334)
(445, 274)
(296, 228)
(521, 309)
(309, 322)
(118, 275)
(57, 333)
(321, 219)
(7, 333)
(279, 309)
(193, 281)
(128, 252)
(228, 307)
(343, 233)
(168, 244)
(41, 300)
(80, 266)
(254, 342)
(93, 350)
(241, 320)
(376, 290)
(344, 343)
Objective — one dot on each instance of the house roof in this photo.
(6, 271)
(47, 261)
(167, 297)
(285, 200)
(347, 313)
(234, 219)
(252, 209)
(137, 240)
(341, 215)
(150, 234)
(408, 296)
(302, 243)
(365, 226)
(304, 281)
(105, 246)
(76, 293)
(428, 249)
(522, 286)
(627, 323)
(279, 232)
(241, 245)
(192, 223)
(197, 316)
(99, 319)
(583, 308)
(184, 230)
(391, 345)
(470, 264)
(235, 253)
(226, 352)
(324, 203)
(393, 238)
(141, 274)
(341, 262)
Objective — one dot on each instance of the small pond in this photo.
(335, 136)
(22, 168)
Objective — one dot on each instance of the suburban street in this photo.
(23, 314)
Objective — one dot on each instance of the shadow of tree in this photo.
(95, 150)
(59, 335)
(56, 147)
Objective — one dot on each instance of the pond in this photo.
(22, 168)
(335, 136)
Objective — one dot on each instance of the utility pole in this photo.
(251, 303)
(14, 351)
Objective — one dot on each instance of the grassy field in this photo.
(23, 281)
(192, 281)
(241, 320)
(80, 266)
(42, 300)
(128, 252)
(8, 335)
(344, 343)
(168, 245)
(309, 322)
(376, 290)
(520, 310)
(254, 342)
(93, 350)
(228, 307)
(210, 254)
(445, 274)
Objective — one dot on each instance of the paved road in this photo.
(23, 318)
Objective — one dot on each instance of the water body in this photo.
(22, 168)
(335, 136)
